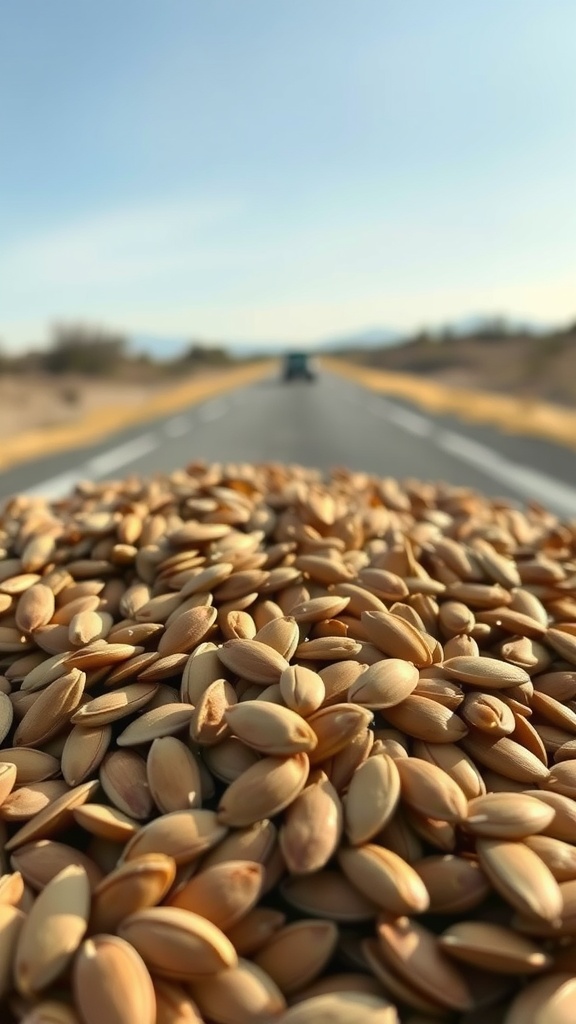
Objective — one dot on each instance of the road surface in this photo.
(327, 423)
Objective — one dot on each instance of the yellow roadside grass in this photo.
(101, 422)
(510, 413)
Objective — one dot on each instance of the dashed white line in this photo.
(56, 487)
(212, 410)
(99, 466)
(177, 426)
(530, 483)
(123, 453)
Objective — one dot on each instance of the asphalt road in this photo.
(324, 424)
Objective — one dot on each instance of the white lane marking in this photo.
(405, 418)
(100, 465)
(56, 487)
(123, 453)
(177, 426)
(530, 483)
(212, 410)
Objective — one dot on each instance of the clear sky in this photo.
(276, 170)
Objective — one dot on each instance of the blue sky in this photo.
(282, 170)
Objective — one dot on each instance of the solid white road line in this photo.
(410, 421)
(528, 482)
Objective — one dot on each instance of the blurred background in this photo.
(191, 191)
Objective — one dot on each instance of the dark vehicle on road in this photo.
(298, 366)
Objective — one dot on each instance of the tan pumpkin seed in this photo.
(506, 757)
(549, 999)
(487, 673)
(335, 727)
(35, 608)
(558, 856)
(562, 778)
(415, 954)
(112, 706)
(253, 660)
(384, 684)
(521, 878)
(26, 801)
(338, 678)
(223, 893)
(173, 775)
(178, 944)
(396, 637)
(269, 728)
(99, 654)
(84, 751)
(485, 711)
(160, 722)
(11, 921)
(328, 648)
(563, 824)
(174, 1005)
(31, 765)
(343, 1008)
(52, 931)
(40, 861)
(256, 843)
(123, 778)
(253, 931)
(312, 827)
(454, 884)
(429, 790)
(427, 720)
(493, 948)
(182, 835)
(282, 634)
(385, 878)
(187, 631)
(452, 760)
(328, 894)
(111, 983)
(297, 953)
(243, 992)
(133, 886)
(52, 709)
(507, 816)
(264, 790)
(54, 817)
(372, 798)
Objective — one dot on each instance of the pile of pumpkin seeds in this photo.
(286, 748)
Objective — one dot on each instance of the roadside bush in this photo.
(80, 348)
